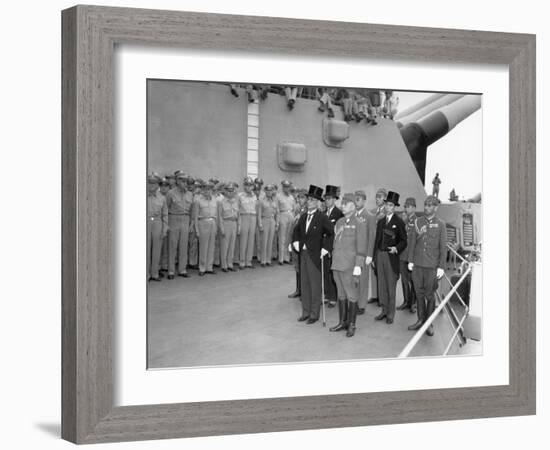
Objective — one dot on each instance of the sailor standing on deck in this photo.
(312, 237)
(333, 213)
(348, 258)
(246, 226)
(391, 240)
(286, 208)
(427, 255)
(157, 226)
(179, 202)
(205, 213)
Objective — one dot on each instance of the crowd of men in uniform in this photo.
(335, 244)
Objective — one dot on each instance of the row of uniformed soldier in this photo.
(202, 223)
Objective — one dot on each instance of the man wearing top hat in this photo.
(390, 241)
(427, 256)
(333, 213)
(312, 238)
(348, 258)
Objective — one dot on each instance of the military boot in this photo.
(351, 321)
(342, 316)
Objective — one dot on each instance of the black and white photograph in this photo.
(300, 224)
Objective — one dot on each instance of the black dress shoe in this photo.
(360, 311)
(262, 264)
(201, 274)
(231, 269)
(380, 316)
(211, 272)
(430, 330)
(224, 270)
(389, 321)
(280, 263)
(412, 309)
(154, 279)
(250, 267)
(310, 321)
(170, 277)
(184, 275)
(402, 306)
(372, 300)
(415, 326)
(303, 318)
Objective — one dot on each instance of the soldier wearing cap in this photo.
(180, 203)
(260, 195)
(390, 241)
(286, 206)
(246, 226)
(348, 260)
(299, 210)
(427, 256)
(379, 211)
(409, 297)
(157, 226)
(195, 189)
(369, 219)
(228, 215)
(164, 188)
(333, 213)
(205, 214)
(312, 238)
(268, 223)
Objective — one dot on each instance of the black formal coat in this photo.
(320, 234)
(393, 234)
(335, 214)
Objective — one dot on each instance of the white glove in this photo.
(410, 267)
(440, 273)
(356, 271)
(393, 250)
(368, 260)
(296, 246)
(289, 247)
(323, 252)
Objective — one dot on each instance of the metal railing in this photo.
(444, 303)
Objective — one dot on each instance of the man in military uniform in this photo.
(164, 188)
(195, 189)
(348, 259)
(379, 211)
(312, 237)
(427, 255)
(157, 226)
(205, 214)
(246, 225)
(436, 182)
(333, 213)
(299, 209)
(390, 241)
(179, 202)
(228, 214)
(409, 296)
(260, 195)
(364, 216)
(286, 208)
(268, 223)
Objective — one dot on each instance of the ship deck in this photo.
(245, 317)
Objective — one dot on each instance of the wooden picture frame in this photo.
(89, 37)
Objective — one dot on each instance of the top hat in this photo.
(315, 192)
(393, 197)
(331, 191)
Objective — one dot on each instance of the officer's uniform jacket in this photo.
(409, 227)
(179, 202)
(268, 208)
(205, 208)
(157, 209)
(248, 204)
(370, 228)
(286, 203)
(350, 244)
(428, 246)
(228, 208)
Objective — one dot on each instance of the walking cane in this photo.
(323, 289)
